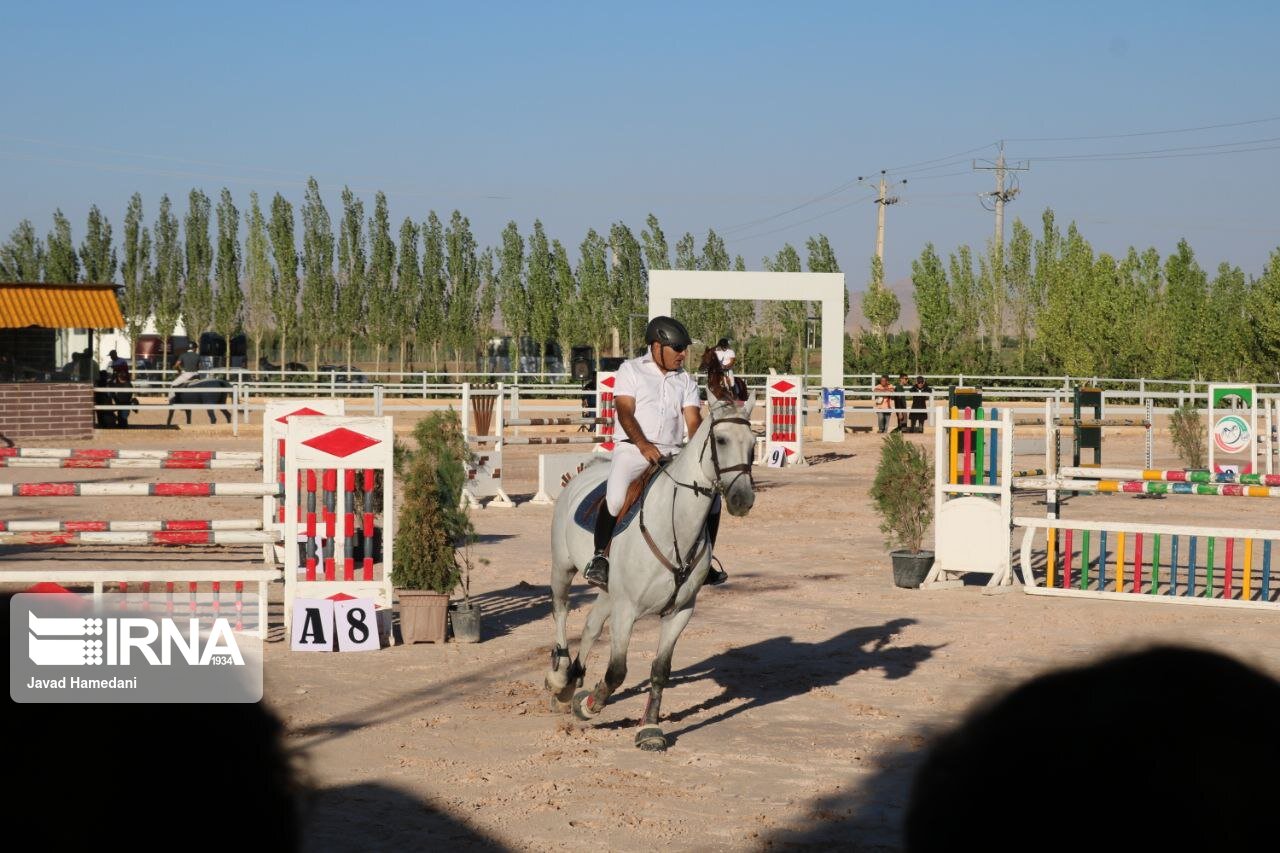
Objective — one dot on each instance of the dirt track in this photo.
(802, 693)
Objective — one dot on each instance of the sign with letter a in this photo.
(356, 624)
(313, 625)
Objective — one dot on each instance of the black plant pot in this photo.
(910, 570)
(464, 619)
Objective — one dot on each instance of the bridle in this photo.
(718, 487)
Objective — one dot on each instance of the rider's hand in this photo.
(649, 452)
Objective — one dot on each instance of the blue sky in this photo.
(707, 114)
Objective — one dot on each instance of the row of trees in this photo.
(427, 294)
(1052, 305)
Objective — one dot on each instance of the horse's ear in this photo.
(748, 405)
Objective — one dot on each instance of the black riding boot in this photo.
(714, 575)
(596, 572)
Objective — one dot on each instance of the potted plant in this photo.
(432, 527)
(903, 496)
(464, 615)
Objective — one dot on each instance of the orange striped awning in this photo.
(59, 306)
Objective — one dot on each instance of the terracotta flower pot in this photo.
(424, 615)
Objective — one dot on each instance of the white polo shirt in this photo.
(727, 356)
(660, 398)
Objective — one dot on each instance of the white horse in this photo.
(656, 565)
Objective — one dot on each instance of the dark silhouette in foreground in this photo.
(1165, 749)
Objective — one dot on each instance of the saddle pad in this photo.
(586, 511)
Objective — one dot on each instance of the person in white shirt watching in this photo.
(656, 402)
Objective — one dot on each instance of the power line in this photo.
(1143, 132)
(846, 206)
(1105, 154)
(824, 196)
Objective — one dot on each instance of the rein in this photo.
(684, 568)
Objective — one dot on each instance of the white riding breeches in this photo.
(627, 464)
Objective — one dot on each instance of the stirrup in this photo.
(596, 572)
(716, 574)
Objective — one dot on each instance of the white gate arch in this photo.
(824, 287)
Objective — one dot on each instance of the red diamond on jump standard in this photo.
(607, 381)
(341, 442)
(782, 387)
(301, 412)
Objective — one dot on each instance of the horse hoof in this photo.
(555, 706)
(651, 739)
(582, 706)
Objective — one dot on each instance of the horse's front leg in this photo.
(650, 736)
(588, 704)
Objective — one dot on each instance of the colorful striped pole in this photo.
(170, 464)
(160, 490)
(97, 453)
(42, 526)
(165, 537)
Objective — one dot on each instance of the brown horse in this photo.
(718, 383)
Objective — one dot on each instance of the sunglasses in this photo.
(677, 347)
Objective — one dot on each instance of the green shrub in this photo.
(432, 527)
(1186, 429)
(903, 493)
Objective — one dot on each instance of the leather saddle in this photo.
(587, 510)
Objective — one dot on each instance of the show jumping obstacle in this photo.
(484, 472)
(1219, 566)
(323, 467)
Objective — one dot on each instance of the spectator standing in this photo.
(883, 403)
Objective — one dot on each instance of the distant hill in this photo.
(907, 319)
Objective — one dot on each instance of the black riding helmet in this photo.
(668, 331)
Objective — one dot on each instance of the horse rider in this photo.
(727, 359)
(187, 365)
(655, 400)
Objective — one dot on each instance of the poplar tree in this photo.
(487, 298)
(22, 255)
(168, 287)
(822, 258)
(964, 305)
(352, 317)
(381, 280)
(1264, 320)
(197, 297)
(628, 280)
(513, 298)
(463, 283)
(786, 316)
(435, 295)
(1021, 289)
(570, 327)
(933, 307)
(1227, 353)
(230, 298)
(880, 306)
(97, 254)
(317, 273)
(593, 290)
(61, 264)
(138, 297)
(542, 295)
(408, 287)
(284, 281)
(656, 253)
(257, 276)
(1186, 288)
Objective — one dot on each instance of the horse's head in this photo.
(728, 452)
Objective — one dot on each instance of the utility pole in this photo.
(1001, 194)
(883, 201)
